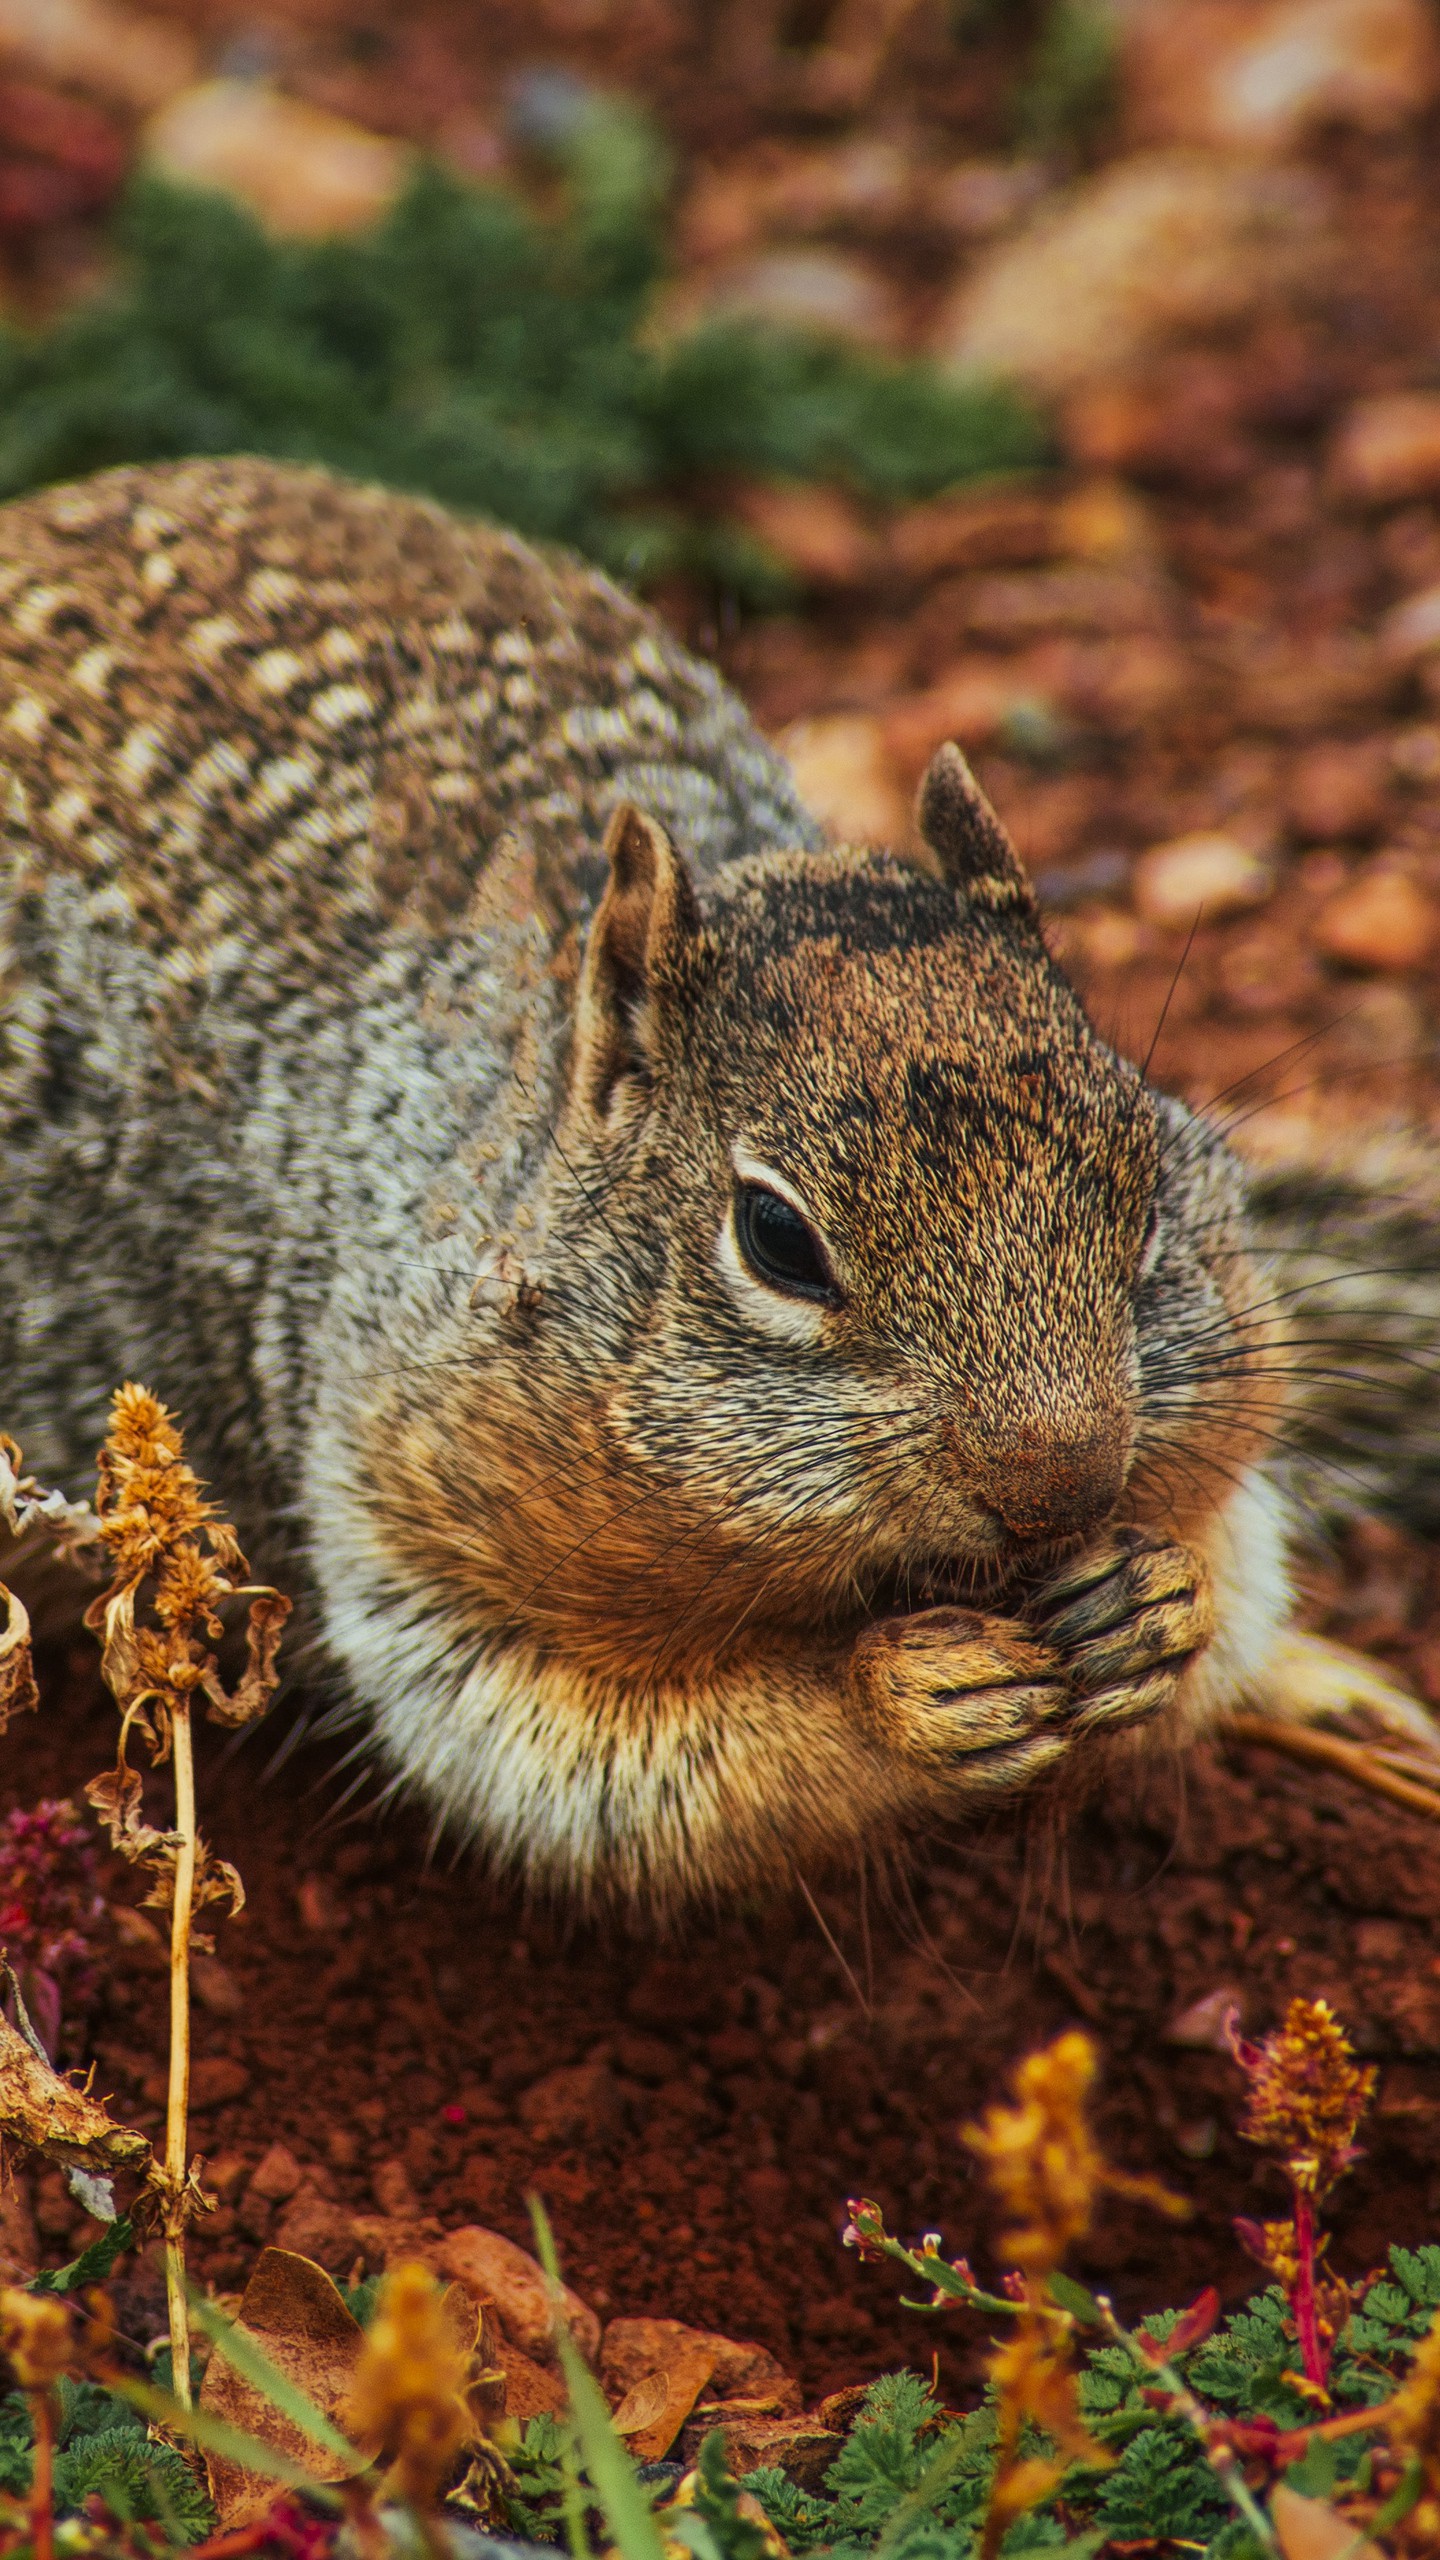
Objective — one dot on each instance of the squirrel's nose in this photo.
(1045, 1487)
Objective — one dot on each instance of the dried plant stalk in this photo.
(1399, 1777)
(174, 1565)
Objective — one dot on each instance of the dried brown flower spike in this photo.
(410, 2386)
(174, 1566)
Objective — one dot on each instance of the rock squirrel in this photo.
(733, 1362)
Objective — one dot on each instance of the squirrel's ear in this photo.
(647, 913)
(966, 837)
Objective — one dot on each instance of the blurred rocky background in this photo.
(1058, 376)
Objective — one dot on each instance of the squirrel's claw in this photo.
(1126, 1619)
(978, 1697)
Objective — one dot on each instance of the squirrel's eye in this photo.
(779, 1246)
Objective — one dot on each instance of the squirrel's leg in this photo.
(981, 1701)
(1127, 1619)
(1309, 1680)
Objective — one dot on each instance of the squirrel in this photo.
(734, 1364)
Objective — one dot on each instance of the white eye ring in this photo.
(1150, 1252)
(799, 1321)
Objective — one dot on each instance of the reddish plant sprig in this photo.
(1306, 2098)
(50, 1908)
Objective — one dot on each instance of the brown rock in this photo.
(1209, 876)
(1382, 1025)
(141, 1940)
(1103, 520)
(827, 290)
(390, 2185)
(819, 534)
(321, 1909)
(497, 2271)
(634, 2348)
(299, 169)
(386, 2240)
(1140, 256)
(1337, 792)
(767, 2193)
(843, 773)
(1383, 920)
(225, 2174)
(530, 2390)
(1267, 971)
(1237, 76)
(643, 2057)
(1410, 633)
(277, 2176)
(800, 2447)
(215, 1987)
(1388, 449)
(315, 2226)
(129, 60)
(968, 703)
(217, 2079)
(994, 529)
(580, 2102)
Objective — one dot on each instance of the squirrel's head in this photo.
(880, 1251)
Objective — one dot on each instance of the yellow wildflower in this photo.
(409, 2390)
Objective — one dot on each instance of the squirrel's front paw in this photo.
(1127, 1618)
(978, 1698)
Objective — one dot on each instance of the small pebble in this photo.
(1412, 630)
(1388, 449)
(1382, 920)
(1094, 875)
(1208, 876)
(1337, 791)
(844, 774)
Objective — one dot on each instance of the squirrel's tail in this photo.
(1353, 1247)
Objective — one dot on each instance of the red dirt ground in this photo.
(377, 2005)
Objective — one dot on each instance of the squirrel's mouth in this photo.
(1001, 1583)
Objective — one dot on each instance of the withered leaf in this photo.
(117, 1796)
(256, 1686)
(655, 2409)
(298, 2317)
(1311, 2529)
(24, 1504)
(18, 1693)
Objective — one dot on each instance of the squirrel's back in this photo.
(265, 736)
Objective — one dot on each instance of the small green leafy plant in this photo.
(476, 350)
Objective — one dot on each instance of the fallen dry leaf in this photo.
(297, 2316)
(1311, 2529)
(655, 2409)
(640, 2346)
